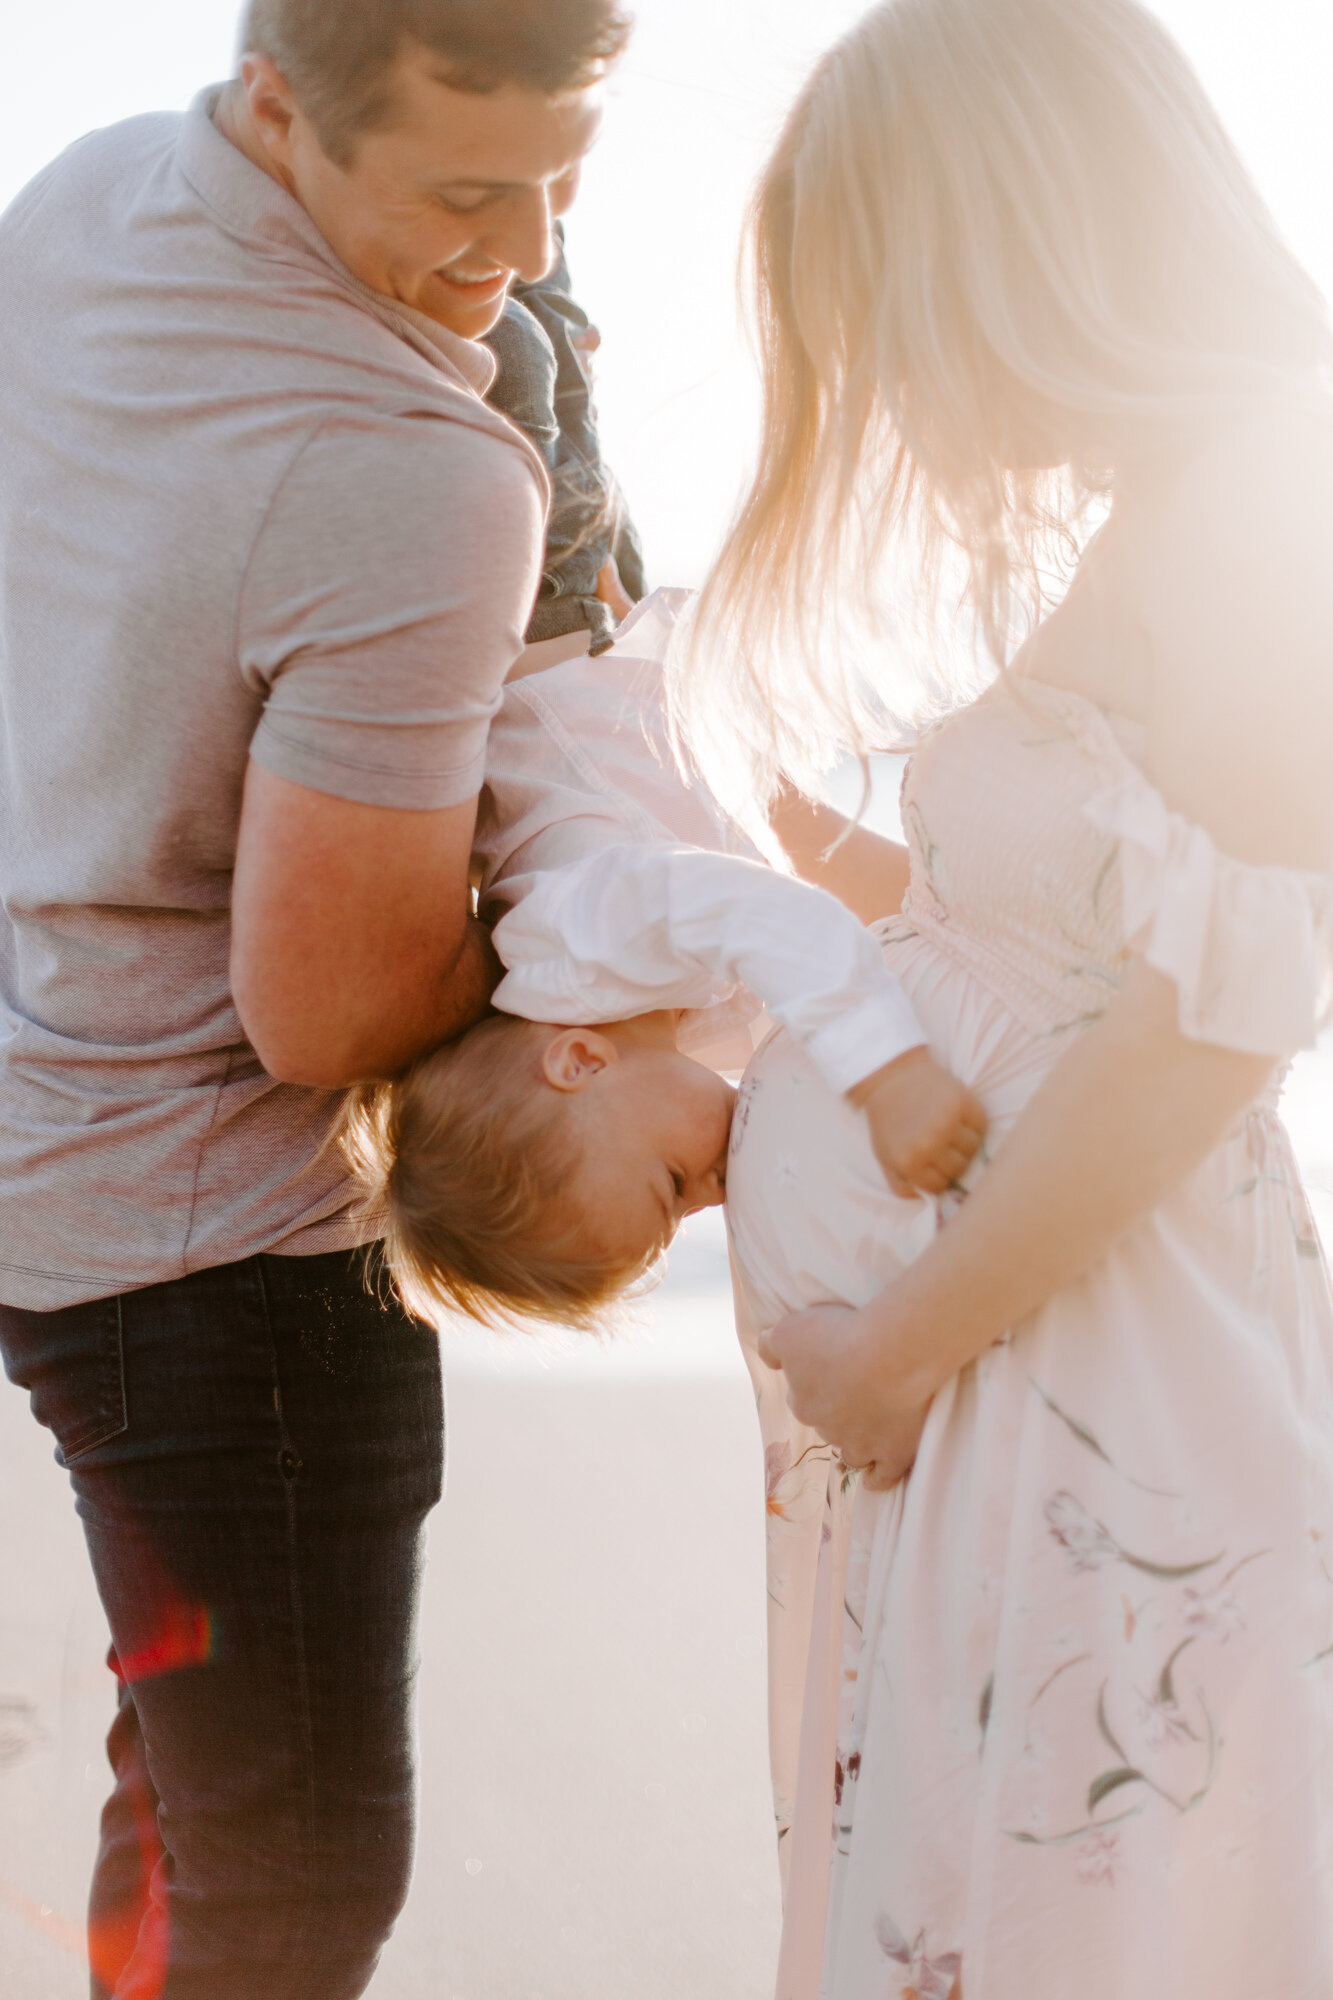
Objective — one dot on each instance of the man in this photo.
(265, 559)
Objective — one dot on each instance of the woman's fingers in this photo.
(879, 1479)
(880, 1474)
(935, 1176)
(975, 1116)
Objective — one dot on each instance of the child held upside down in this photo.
(540, 1164)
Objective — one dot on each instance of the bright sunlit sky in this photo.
(654, 238)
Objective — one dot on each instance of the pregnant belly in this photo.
(810, 1214)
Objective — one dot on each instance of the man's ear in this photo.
(574, 1057)
(271, 104)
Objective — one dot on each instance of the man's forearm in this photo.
(353, 950)
(1123, 1119)
(379, 1029)
(466, 995)
(393, 1034)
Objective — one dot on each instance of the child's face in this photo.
(654, 1129)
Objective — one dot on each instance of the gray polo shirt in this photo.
(248, 508)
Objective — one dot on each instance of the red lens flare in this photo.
(184, 1638)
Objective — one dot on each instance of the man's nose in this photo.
(523, 239)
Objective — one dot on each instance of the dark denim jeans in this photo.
(253, 1451)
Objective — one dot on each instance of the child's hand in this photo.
(613, 592)
(926, 1127)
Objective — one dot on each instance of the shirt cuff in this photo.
(319, 769)
(865, 1038)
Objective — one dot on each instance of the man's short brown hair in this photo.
(337, 54)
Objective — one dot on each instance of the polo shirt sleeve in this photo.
(386, 598)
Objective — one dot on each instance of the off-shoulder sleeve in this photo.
(1250, 949)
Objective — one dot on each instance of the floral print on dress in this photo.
(1090, 1546)
(1177, 1740)
(1271, 1157)
(786, 1477)
(924, 1977)
(1097, 1859)
(750, 1086)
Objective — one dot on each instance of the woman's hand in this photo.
(842, 1382)
(862, 869)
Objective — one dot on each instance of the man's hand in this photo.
(926, 1126)
(842, 1383)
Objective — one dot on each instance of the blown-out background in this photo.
(595, 1814)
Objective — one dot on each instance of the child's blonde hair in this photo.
(465, 1162)
(981, 214)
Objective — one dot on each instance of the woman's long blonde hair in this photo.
(996, 236)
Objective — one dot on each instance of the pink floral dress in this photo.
(1054, 1719)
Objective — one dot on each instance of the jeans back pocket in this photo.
(72, 1363)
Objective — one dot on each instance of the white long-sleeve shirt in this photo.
(621, 888)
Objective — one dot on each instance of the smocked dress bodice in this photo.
(1033, 909)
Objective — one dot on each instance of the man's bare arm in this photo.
(353, 945)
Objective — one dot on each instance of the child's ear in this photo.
(575, 1056)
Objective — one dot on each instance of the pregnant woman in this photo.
(1053, 1715)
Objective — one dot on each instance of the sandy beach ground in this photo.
(595, 1810)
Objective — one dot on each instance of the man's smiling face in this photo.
(448, 200)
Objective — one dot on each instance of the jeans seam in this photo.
(295, 1599)
(120, 1362)
(107, 1425)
